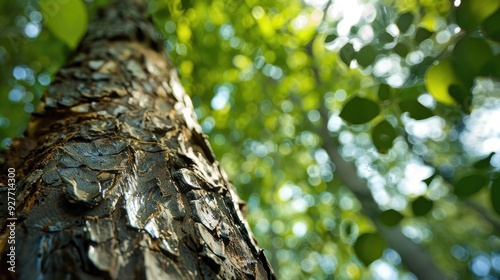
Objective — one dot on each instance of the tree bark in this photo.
(116, 178)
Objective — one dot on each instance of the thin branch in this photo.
(413, 255)
(481, 211)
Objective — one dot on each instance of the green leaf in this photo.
(383, 135)
(421, 34)
(186, 4)
(385, 38)
(330, 38)
(438, 79)
(468, 64)
(471, 13)
(359, 110)
(429, 180)
(470, 185)
(496, 66)
(404, 21)
(366, 55)
(495, 195)
(491, 26)
(384, 92)
(401, 50)
(390, 217)
(421, 206)
(369, 247)
(67, 20)
(461, 96)
(347, 54)
(484, 163)
(417, 111)
(411, 92)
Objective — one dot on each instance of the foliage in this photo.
(408, 88)
(67, 23)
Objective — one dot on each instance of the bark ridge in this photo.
(117, 180)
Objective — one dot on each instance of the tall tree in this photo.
(116, 178)
(361, 132)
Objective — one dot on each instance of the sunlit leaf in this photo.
(470, 185)
(384, 92)
(438, 79)
(416, 110)
(421, 206)
(404, 21)
(369, 247)
(366, 55)
(421, 34)
(390, 217)
(184, 32)
(495, 195)
(383, 135)
(67, 20)
(471, 13)
(347, 54)
(359, 110)
(491, 26)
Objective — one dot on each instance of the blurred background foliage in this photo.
(406, 92)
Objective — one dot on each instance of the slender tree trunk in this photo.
(116, 178)
(413, 255)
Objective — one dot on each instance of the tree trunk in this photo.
(116, 178)
(413, 255)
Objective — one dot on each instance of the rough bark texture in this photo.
(116, 178)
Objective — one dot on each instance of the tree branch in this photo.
(413, 255)
(481, 211)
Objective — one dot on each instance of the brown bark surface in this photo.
(116, 178)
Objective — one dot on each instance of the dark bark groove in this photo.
(116, 178)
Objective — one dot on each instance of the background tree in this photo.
(323, 109)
